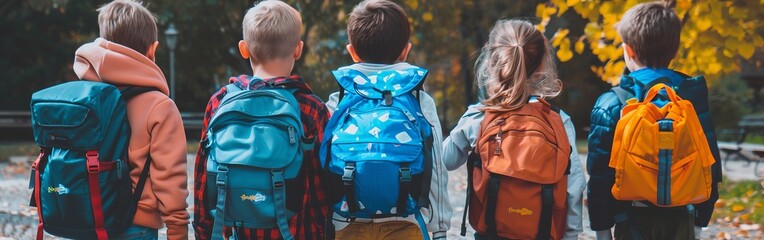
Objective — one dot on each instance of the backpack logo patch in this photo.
(520, 211)
(61, 190)
(257, 198)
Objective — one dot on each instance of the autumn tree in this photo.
(446, 34)
(718, 36)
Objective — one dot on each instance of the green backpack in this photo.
(81, 181)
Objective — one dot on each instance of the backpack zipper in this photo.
(497, 138)
(292, 138)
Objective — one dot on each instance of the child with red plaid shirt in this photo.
(272, 44)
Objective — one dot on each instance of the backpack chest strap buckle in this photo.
(92, 161)
(222, 177)
(277, 176)
(405, 173)
(347, 175)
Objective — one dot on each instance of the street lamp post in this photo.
(171, 35)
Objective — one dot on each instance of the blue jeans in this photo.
(139, 233)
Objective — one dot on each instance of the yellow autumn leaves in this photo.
(716, 37)
(740, 203)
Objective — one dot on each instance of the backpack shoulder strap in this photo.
(231, 87)
(622, 94)
(130, 92)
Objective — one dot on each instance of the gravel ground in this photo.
(17, 221)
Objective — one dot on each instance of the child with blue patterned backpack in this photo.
(381, 152)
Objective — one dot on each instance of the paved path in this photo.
(17, 221)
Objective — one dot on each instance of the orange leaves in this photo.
(738, 208)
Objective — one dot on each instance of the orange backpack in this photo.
(519, 189)
(661, 154)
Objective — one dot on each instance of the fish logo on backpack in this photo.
(660, 154)
(83, 134)
(379, 149)
(518, 174)
(255, 145)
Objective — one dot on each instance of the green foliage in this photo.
(729, 100)
(446, 36)
(39, 40)
(741, 201)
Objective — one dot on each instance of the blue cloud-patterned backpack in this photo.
(378, 145)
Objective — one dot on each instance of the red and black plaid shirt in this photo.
(307, 223)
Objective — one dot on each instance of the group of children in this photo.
(515, 70)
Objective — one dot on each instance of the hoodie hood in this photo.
(105, 61)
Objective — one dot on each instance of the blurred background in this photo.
(721, 39)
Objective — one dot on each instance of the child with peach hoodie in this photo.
(125, 57)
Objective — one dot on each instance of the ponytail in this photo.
(515, 64)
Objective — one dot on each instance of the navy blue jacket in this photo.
(605, 115)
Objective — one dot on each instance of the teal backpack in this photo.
(81, 181)
(255, 147)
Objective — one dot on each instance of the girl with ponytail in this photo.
(514, 68)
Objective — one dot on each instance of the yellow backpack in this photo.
(661, 154)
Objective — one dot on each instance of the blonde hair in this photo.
(271, 30)
(514, 64)
(127, 23)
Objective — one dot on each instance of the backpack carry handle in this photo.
(657, 88)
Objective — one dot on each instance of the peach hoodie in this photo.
(157, 130)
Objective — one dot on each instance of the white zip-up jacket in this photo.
(438, 218)
(463, 138)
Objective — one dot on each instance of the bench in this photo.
(735, 150)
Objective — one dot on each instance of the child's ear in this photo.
(353, 54)
(298, 50)
(243, 49)
(629, 51)
(152, 51)
(405, 53)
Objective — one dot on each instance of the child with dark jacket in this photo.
(650, 33)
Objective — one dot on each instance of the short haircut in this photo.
(272, 30)
(128, 23)
(652, 30)
(378, 30)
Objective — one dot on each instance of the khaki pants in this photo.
(380, 231)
